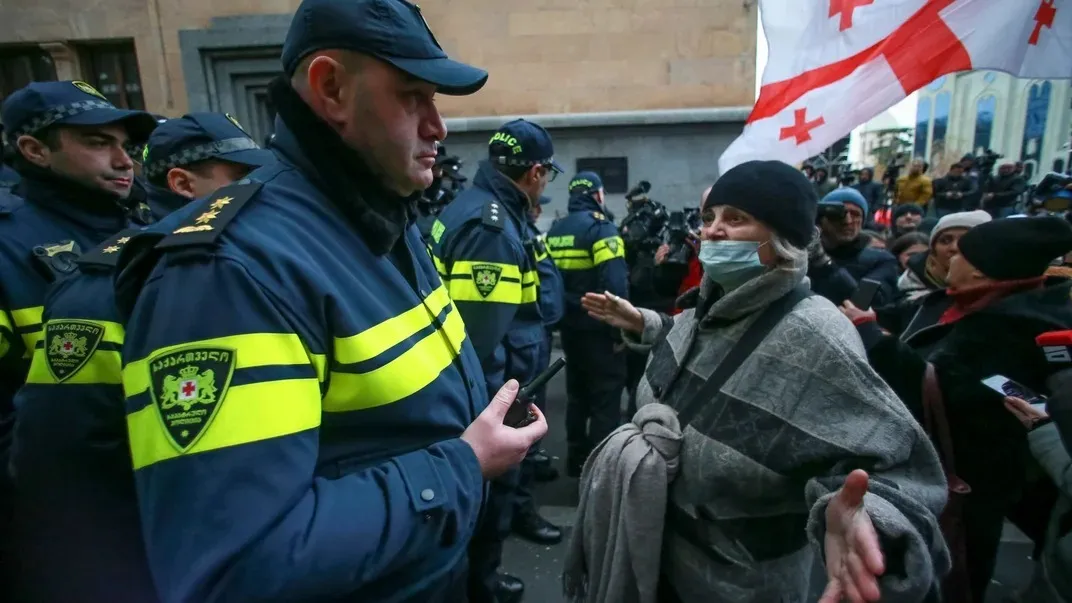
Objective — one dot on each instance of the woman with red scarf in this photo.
(984, 324)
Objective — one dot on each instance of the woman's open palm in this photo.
(613, 310)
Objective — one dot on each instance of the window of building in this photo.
(942, 104)
(112, 68)
(923, 122)
(1038, 110)
(613, 171)
(20, 65)
(984, 122)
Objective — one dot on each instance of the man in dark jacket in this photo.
(985, 324)
(1005, 191)
(841, 256)
(952, 193)
(874, 193)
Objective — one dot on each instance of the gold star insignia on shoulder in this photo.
(110, 249)
(122, 241)
(219, 203)
(207, 217)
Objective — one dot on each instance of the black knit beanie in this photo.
(1016, 248)
(776, 194)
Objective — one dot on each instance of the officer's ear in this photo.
(36, 151)
(181, 182)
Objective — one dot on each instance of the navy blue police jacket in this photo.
(486, 254)
(41, 233)
(295, 404)
(71, 459)
(590, 253)
(551, 292)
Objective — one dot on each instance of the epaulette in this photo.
(599, 216)
(106, 255)
(214, 213)
(492, 217)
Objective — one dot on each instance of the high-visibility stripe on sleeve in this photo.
(608, 249)
(572, 259)
(6, 322)
(530, 283)
(28, 323)
(378, 339)
(251, 350)
(410, 372)
(248, 413)
(506, 288)
(439, 266)
(103, 367)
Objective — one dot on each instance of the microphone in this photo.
(1057, 346)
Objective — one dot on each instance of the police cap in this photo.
(523, 143)
(393, 31)
(585, 182)
(42, 104)
(199, 136)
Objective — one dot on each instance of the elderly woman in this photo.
(795, 449)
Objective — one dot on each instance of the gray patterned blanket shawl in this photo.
(763, 457)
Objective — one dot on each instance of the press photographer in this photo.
(839, 257)
(446, 184)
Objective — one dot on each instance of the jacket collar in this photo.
(579, 203)
(507, 193)
(72, 202)
(163, 201)
(752, 296)
(305, 141)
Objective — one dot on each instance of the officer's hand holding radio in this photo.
(499, 447)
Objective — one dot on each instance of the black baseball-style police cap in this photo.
(585, 182)
(393, 31)
(523, 143)
(71, 103)
(199, 136)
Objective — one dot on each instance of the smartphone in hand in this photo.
(1009, 388)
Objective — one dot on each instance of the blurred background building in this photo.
(633, 89)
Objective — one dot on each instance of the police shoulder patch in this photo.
(211, 217)
(493, 215)
(188, 385)
(69, 344)
(106, 255)
(486, 277)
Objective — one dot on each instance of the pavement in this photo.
(541, 566)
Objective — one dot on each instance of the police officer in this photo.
(76, 179)
(446, 185)
(71, 458)
(307, 416)
(486, 254)
(537, 465)
(588, 250)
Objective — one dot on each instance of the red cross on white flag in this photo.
(834, 64)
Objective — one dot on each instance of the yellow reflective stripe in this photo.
(440, 268)
(104, 367)
(252, 350)
(27, 316)
(29, 341)
(507, 289)
(246, 414)
(378, 339)
(113, 331)
(409, 373)
(608, 249)
(572, 259)
(5, 321)
(530, 282)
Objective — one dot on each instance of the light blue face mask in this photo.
(731, 263)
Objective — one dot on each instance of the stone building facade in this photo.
(643, 89)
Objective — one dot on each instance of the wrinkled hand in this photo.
(1023, 411)
(499, 447)
(853, 556)
(614, 311)
(853, 313)
(661, 253)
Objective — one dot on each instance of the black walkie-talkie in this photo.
(520, 414)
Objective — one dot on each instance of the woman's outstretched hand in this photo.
(613, 310)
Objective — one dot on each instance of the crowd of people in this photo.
(234, 373)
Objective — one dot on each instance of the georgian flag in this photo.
(834, 64)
